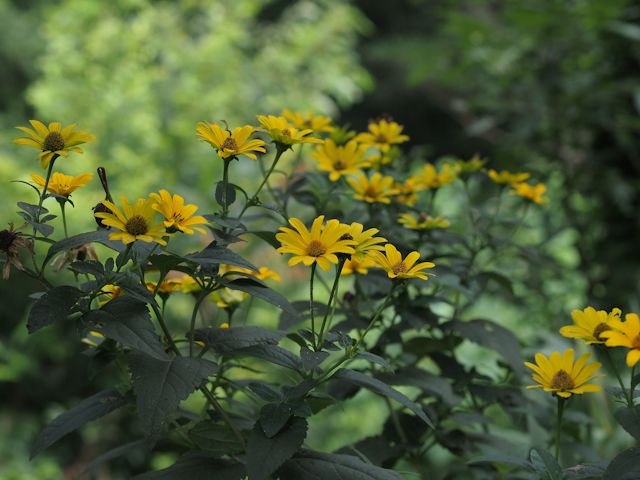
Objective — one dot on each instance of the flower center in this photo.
(286, 132)
(230, 144)
(636, 342)
(371, 192)
(6, 240)
(137, 225)
(562, 381)
(316, 249)
(380, 138)
(339, 165)
(53, 142)
(399, 268)
(601, 327)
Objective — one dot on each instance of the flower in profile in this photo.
(382, 134)
(165, 288)
(589, 324)
(231, 144)
(470, 166)
(377, 188)
(133, 222)
(625, 334)
(397, 267)
(53, 140)
(360, 267)
(178, 217)
(187, 284)
(320, 245)
(11, 241)
(340, 160)
(533, 193)
(263, 273)
(227, 298)
(61, 184)
(560, 375)
(409, 191)
(433, 179)
(365, 241)
(284, 133)
(507, 178)
(317, 123)
(110, 292)
(423, 222)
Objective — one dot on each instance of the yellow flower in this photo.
(589, 324)
(133, 222)
(317, 123)
(470, 166)
(431, 178)
(397, 267)
(187, 284)
(507, 178)
(409, 191)
(625, 334)
(424, 222)
(61, 184)
(263, 273)
(365, 241)
(562, 376)
(231, 144)
(360, 267)
(94, 338)
(384, 158)
(319, 245)
(53, 140)
(283, 133)
(340, 160)
(110, 292)
(382, 134)
(531, 192)
(374, 189)
(227, 297)
(224, 325)
(178, 216)
(166, 286)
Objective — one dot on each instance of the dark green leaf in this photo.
(99, 236)
(268, 237)
(273, 417)
(227, 340)
(270, 353)
(218, 255)
(55, 305)
(545, 465)
(503, 459)
(626, 466)
(215, 438)
(32, 209)
(197, 465)
(265, 455)
(629, 418)
(89, 267)
(265, 293)
(111, 454)
(372, 357)
(584, 472)
(428, 382)
(161, 385)
(89, 409)
(376, 386)
(165, 262)
(310, 359)
(310, 465)
(225, 196)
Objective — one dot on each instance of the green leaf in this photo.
(376, 386)
(545, 464)
(270, 353)
(629, 418)
(584, 472)
(197, 465)
(273, 417)
(227, 340)
(111, 454)
(255, 289)
(503, 459)
(55, 305)
(161, 385)
(215, 438)
(311, 359)
(265, 455)
(428, 382)
(217, 255)
(127, 321)
(312, 465)
(626, 466)
(89, 409)
(99, 236)
(268, 237)
(230, 196)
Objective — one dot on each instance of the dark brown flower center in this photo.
(286, 132)
(230, 143)
(53, 142)
(636, 342)
(339, 165)
(601, 327)
(346, 236)
(137, 225)
(380, 138)
(6, 240)
(316, 248)
(399, 268)
(562, 381)
(371, 192)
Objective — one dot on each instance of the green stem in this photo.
(40, 201)
(225, 184)
(125, 256)
(376, 315)
(194, 315)
(311, 310)
(214, 403)
(253, 200)
(331, 304)
(631, 388)
(559, 426)
(165, 330)
(64, 217)
(627, 396)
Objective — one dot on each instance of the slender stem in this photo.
(331, 303)
(559, 426)
(632, 387)
(215, 404)
(38, 212)
(225, 184)
(396, 422)
(194, 315)
(252, 201)
(376, 315)
(125, 256)
(627, 396)
(64, 218)
(165, 330)
(311, 310)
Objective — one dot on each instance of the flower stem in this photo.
(194, 315)
(559, 425)
(38, 212)
(253, 200)
(225, 186)
(627, 395)
(64, 218)
(313, 319)
(331, 304)
(377, 314)
(632, 387)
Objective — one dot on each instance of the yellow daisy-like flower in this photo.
(284, 133)
(61, 184)
(397, 267)
(320, 245)
(109, 292)
(409, 191)
(382, 135)
(186, 284)
(562, 376)
(360, 267)
(432, 179)
(625, 334)
(317, 123)
(340, 160)
(134, 222)
(507, 178)
(231, 144)
(366, 241)
(377, 188)
(165, 288)
(53, 140)
(424, 222)
(470, 166)
(263, 273)
(589, 324)
(178, 216)
(227, 297)
(533, 193)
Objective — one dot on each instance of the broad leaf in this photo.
(111, 454)
(273, 417)
(545, 464)
(626, 466)
(217, 255)
(99, 236)
(629, 418)
(227, 340)
(265, 293)
(196, 465)
(271, 353)
(215, 438)
(428, 382)
(55, 305)
(89, 409)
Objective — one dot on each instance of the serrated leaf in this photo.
(227, 340)
(629, 418)
(215, 438)
(626, 466)
(218, 255)
(197, 465)
(545, 464)
(312, 465)
(381, 388)
(128, 321)
(99, 236)
(265, 293)
(310, 359)
(273, 417)
(87, 410)
(270, 353)
(265, 455)
(160, 386)
(55, 305)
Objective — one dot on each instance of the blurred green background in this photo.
(547, 86)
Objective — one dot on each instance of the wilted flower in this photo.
(10, 241)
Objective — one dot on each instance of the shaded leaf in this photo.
(626, 466)
(55, 305)
(273, 417)
(217, 255)
(265, 293)
(271, 353)
(215, 438)
(111, 454)
(545, 464)
(227, 340)
(196, 465)
(629, 418)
